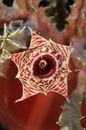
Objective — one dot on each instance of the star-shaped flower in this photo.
(43, 67)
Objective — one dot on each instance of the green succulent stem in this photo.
(71, 115)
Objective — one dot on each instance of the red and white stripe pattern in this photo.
(37, 41)
(39, 47)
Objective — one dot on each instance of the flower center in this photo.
(44, 66)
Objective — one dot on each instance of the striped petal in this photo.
(43, 67)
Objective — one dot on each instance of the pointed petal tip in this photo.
(19, 100)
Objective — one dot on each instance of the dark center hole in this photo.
(44, 66)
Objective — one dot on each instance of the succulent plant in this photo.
(44, 55)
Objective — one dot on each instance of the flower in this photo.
(43, 67)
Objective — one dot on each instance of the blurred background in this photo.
(39, 112)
